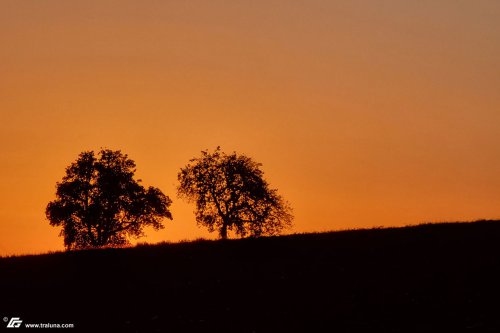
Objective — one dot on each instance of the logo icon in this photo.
(14, 322)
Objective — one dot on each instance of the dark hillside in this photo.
(435, 277)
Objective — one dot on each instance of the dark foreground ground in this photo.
(429, 278)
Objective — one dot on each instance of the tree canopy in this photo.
(231, 194)
(98, 202)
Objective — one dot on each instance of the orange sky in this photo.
(363, 113)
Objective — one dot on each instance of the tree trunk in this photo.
(223, 231)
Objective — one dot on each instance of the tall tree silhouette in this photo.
(98, 202)
(231, 194)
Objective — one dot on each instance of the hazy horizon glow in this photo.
(379, 113)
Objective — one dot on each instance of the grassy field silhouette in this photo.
(430, 277)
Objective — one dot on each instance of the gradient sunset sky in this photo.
(363, 113)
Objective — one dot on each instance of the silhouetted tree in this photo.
(231, 194)
(98, 202)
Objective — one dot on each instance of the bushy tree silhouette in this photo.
(98, 202)
(231, 194)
